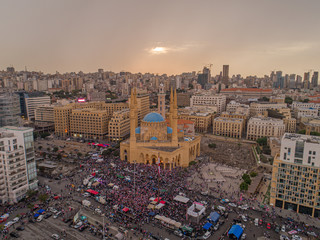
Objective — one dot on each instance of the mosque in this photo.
(155, 139)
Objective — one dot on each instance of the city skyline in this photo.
(174, 37)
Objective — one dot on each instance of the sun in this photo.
(158, 50)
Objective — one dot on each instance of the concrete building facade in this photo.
(264, 127)
(218, 101)
(228, 127)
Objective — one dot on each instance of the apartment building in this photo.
(228, 127)
(295, 105)
(259, 109)
(236, 115)
(85, 111)
(218, 101)
(24, 136)
(247, 92)
(277, 99)
(13, 168)
(264, 127)
(295, 177)
(300, 112)
(312, 126)
(291, 125)
(233, 107)
(119, 125)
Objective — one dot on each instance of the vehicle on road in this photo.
(232, 204)
(55, 236)
(8, 224)
(16, 219)
(243, 236)
(256, 222)
(216, 227)
(206, 235)
(14, 234)
(268, 226)
(47, 215)
(283, 228)
(244, 218)
(79, 224)
(178, 233)
(20, 228)
(97, 210)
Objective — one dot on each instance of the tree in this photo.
(212, 145)
(243, 186)
(44, 134)
(190, 86)
(40, 147)
(30, 193)
(253, 174)
(55, 149)
(48, 149)
(262, 141)
(306, 100)
(192, 163)
(79, 154)
(59, 156)
(43, 197)
(315, 133)
(288, 100)
(303, 131)
(246, 178)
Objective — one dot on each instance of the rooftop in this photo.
(246, 90)
(305, 138)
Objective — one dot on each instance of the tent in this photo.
(56, 197)
(214, 217)
(40, 211)
(125, 209)
(182, 199)
(36, 215)
(163, 202)
(120, 176)
(92, 192)
(207, 226)
(187, 229)
(156, 199)
(235, 231)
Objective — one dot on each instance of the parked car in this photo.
(55, 236)
(178, 233)
(14, 234)
(40, 218)
(47, 215)
(16, 219)
(206, 235)
(256, 221)
(20, 228)
(244, 218)
(243, 236)
(216, 227)
(79, 224)
(232, 204)
(283, 228)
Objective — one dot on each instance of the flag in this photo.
(158, 163)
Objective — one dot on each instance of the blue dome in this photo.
(153, 138)
(138, 129)
(153, 117)
(169, 130)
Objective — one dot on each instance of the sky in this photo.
(167, 36)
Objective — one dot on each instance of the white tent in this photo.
(182, 199)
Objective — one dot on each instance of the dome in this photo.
(153, 117)
(138, 129)
(169, 130)
(153, 138)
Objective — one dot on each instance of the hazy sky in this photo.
(161, 36)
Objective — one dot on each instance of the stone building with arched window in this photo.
(154, 139)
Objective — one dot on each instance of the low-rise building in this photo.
(259, 109)
(277, 99)
(312, 126)
(218, 101)
(300, 112)
(247, 92)
(228, 127)
(264, 127)
(44, 113)
(236, 107)
(295, 180)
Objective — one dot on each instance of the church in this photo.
(154, 139)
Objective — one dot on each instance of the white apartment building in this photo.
(209, 100)
(24, 136)
(236, 107)
(306, 112)
(33, 102)
(13, 169)
(265, 127)
(257, 109)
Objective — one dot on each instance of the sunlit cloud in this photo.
(158, 50)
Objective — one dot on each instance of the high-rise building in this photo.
(225, 74)
(295, 180)
(143, 105)
(314, 81)
(32, 101)
(18, 168)
(306, 80)
(9, 109)
(119, 125)
(292, 81)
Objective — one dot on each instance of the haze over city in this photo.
(253, 37)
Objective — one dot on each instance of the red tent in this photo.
(156, 199)
(93, 174)
(92, 192)
(125, 209)
(56, 197)
(163, 202)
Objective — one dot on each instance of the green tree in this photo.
(190, 86)
(288, 100)
(55, 149)
(192, 163)
(59, 156)
(212, 145)
(243, 186)
(253, 174)
(246, 178)
(40, 147)
(306, 100)
(315, 133)
(30, 193)
(44, 134)
(43, 197)
(303, 131)
(262, 141)
(79, 154)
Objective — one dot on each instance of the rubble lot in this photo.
(232, 153)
